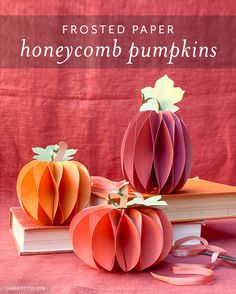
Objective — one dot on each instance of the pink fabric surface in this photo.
(65, 273)
(90, 109)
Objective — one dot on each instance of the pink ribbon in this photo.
(103, 185)
(201, 274)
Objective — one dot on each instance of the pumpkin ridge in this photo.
(68, 188)
(181, 155)
(188, 163)
(163, 157)
(82, 245)
(28, 193)
(46, 193)
(151, 243)
(143, 154)
(21, 175)
(104, 258)
(128, 246)
(53, 169)
(84, 189)
(167, 234)
(123, 143)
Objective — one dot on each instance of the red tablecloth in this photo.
(65, 273)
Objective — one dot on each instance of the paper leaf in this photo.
(151, 201)
(165, 93)
(42, 154)
(151, 104)
(42, 157)
(38, 150)
(70, 152)
(135, 201)
(52, 147)
(46, 154)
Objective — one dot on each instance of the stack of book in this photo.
(188, 209)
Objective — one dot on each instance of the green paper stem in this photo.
(146, 100)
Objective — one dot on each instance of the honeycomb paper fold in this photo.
(156, 152)
(52, 192)
(112, 239)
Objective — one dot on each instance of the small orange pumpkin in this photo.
(52, 189)
(131, 238)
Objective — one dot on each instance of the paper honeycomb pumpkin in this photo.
(132, 238)
(52, 189)
(156, 152)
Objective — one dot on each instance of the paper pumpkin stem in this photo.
(143, 97)
(137, 201)
(123, 193)
(123, 201)
(155, 106)
(61, 150)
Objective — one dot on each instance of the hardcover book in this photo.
(198, 200)
(201, 200)
(33, 238)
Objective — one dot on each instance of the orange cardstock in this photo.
(53, 192)
(128, 239)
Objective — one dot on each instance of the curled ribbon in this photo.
(104, 185)
(201, 274)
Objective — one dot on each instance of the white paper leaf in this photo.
(43, 156)
(151, 104)
(165, 93)
(66, 158)
(149, 92)
(151, 201)
(52, 147)
(135, 201)
(70, 152)
(38, 150)
(51, 151)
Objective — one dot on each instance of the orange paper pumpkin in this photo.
(133, 238)
(53, 189)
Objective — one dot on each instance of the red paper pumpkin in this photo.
(156, 152)
(110, 238)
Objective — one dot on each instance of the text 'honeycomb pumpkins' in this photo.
(52, 189)
(156, 153)
(131, 238)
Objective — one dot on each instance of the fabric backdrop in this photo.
(91, 108)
